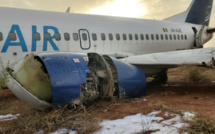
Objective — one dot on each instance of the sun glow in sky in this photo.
(123, 8)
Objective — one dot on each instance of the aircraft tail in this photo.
(199, 12)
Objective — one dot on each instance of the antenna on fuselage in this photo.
(68, 10)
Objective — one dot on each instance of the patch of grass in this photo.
(189, 73)
(83, 120)
(198, 124)
(161, 106)
(6, 111)
(201, 125)
(51, 121)
(195, 75)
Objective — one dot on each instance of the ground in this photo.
(180, 93)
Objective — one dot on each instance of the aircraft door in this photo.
(84, 39)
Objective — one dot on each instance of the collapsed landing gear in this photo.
(161, 77)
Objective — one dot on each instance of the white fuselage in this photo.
(76, 33)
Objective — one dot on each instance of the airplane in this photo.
(65, 58)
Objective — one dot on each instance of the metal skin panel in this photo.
(132, 80)
(67, 72)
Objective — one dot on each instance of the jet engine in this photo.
(47, 80)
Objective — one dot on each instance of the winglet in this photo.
(68, 10)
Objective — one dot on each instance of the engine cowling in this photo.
(48, 80)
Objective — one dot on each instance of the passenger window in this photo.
(147, 37)
(136, 37)
(161, 36)
(117, 36)
(84, 36)
(152, 36)
(166, 36)
(178, 37)
(174, 37)
(66, 36)
(157, 36)
(94, 36)
(130, 37)
(75, 36)
(110, 36)
(37, 36)
(47, 36)
(185, 37)
(141, 36)
(103, 36)
(124, 37)
(170, 37)
(182, 37)
(57, 36)
(1, 36)
(12, 36)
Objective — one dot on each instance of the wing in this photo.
(154, 63)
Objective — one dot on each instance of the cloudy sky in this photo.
(149, 9)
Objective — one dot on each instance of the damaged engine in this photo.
(48, 80)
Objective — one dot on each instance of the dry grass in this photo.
(198, 125)
(161, 106)
(201, 125)
(191, 74)
(82, 120)
(51, 121)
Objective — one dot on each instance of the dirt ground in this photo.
(178, 93)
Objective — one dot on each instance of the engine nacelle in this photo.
(47, 80)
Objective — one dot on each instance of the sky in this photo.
(146, 9)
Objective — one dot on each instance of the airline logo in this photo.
(21, 40)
